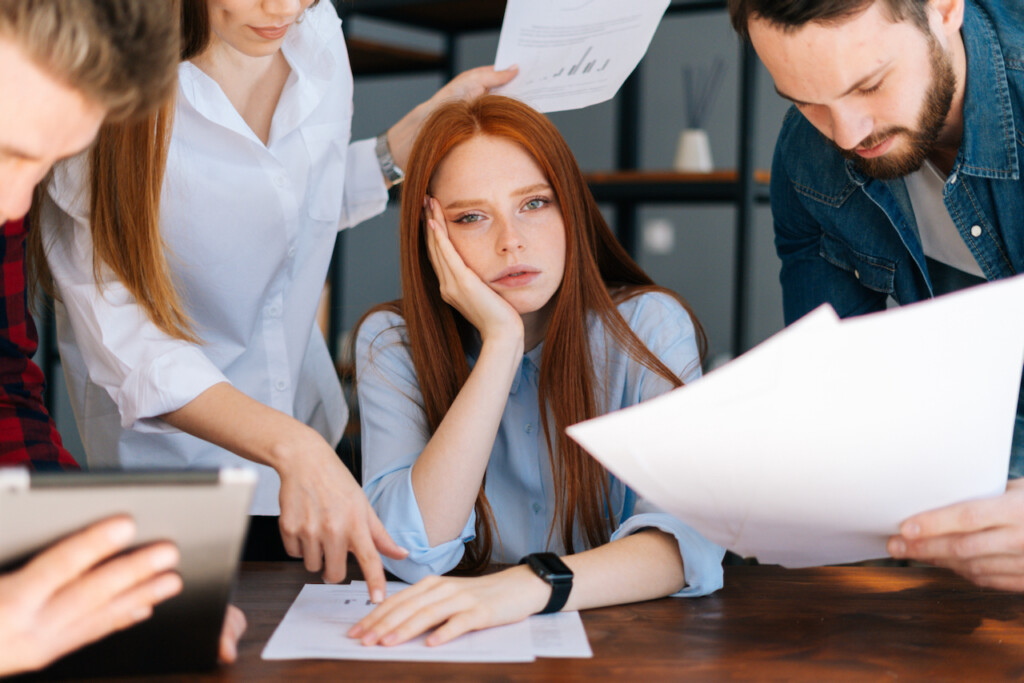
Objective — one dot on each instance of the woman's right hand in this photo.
(325, 515)
(463, 289)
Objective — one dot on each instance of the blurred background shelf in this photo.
(625, 187)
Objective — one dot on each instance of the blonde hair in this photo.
(118, 53)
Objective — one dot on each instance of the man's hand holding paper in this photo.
(817, 445)
(982, 540)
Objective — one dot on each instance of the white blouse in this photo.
(249, 230)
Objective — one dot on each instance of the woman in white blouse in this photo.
(186, 314)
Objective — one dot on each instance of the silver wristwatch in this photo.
(392, 173)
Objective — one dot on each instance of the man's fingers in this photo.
(961, 518)
(73, 556)
(1007, 582)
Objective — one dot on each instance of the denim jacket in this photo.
(852, 241)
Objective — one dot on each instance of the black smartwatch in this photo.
(550, 568)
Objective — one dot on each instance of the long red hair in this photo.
(598, 274)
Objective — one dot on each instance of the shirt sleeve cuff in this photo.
(395, 502)
(366, 193)
(702, 559)
(166, 384)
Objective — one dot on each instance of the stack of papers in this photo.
(316, 624)
(813, 447)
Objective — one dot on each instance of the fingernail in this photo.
(897, 548)
(911, 530)
(370, 638)
(431, 641)
(164, 557)
(121, 531)
(355, 631)
(389, 639)
(426, 202)
(377, 596)
(405, 551)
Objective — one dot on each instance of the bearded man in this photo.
(897, 177)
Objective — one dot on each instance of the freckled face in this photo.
(880, 90)
(255, 28)
(504, 220)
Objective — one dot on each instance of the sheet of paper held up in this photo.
(573, 53)
(812, 448)
(316, 623)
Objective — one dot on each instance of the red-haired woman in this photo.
(520, 315)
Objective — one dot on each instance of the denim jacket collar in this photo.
(986, 151)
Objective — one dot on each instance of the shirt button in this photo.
(976, 231)
(952, 179)
(856, 273)
(281, 385)
(536, 508)
(273, 310)
(280, 181)
(291, 251)
(529, 428)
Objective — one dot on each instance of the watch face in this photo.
(550, 567)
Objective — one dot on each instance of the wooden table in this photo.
(823, 624)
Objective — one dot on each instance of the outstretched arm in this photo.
(643, 566)
(324, 513)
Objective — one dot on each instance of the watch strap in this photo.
(391, 171)
(561, 584)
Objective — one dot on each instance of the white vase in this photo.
(693, 152)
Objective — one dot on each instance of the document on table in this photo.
(573, 53)
(813, 447)
(316, 624)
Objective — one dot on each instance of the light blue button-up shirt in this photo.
(519, 479)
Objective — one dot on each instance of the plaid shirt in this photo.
(28, 435)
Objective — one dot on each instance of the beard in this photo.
(921, 141)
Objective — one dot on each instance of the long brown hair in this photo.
(598, 275)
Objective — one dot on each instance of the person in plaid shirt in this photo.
(28, 435)
(65, 67)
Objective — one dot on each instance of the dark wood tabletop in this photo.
(768, 623)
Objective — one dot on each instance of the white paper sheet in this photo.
(812, 448)
(316, 624)
(573, 53)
